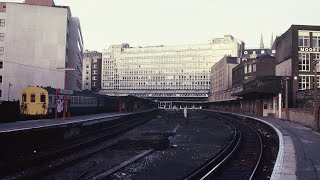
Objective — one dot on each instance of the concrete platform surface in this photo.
(304, 143)
(45, 123)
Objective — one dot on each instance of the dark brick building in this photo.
(260, 86)
(295, 51)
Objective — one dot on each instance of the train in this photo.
(47, 102)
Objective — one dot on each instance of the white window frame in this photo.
(304, 61)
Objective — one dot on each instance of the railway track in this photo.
(239, 160)
(56, 158)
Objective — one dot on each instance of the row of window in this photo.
(305, 59)
(76, 100)
(42, 98)
(250, 68)
(198, 87)
(304, 41)
(306, 82)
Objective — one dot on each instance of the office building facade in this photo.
(221, 79)
(164, 72)
(38, 41)
(92, 64)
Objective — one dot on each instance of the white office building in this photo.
(162, 72)
(38, 41)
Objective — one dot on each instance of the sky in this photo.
(183, 22)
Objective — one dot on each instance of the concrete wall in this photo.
(35, 45)
(3, 95)
(75, 55)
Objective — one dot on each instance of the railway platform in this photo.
(301, 147)
(30, 125)
(299, 156)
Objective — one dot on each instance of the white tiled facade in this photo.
(38, 42)
(163, 71)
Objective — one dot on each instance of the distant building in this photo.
(260, 86)
(91, 76)
(221, 79)
(296, 49)
(164, 72)
(37, 41)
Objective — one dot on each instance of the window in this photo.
(94, 77)
(304, 62)
(0, 93)
(245, 69)
(1, 36)
(254, 67)
(249, 68)
(0, 79)
(2, 22)
(1, 50)
(42, 98)
(24, 98)
(316, 41)
(95, 60)
(1, 64)
(33, 98)
(304, 41)
(304, 82)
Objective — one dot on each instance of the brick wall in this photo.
(301, 116)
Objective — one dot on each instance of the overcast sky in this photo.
(180, 22)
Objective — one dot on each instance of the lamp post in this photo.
(9, 91)
(315, 96)
(286, 97)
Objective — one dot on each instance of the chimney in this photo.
(49, 3)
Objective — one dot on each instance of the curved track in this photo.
(239, 160)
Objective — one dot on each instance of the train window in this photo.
(76, 100)
(24, 98)
(33, 98)
(42, 98)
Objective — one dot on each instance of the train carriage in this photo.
(38, 102)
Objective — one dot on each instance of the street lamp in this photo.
(9, 91)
